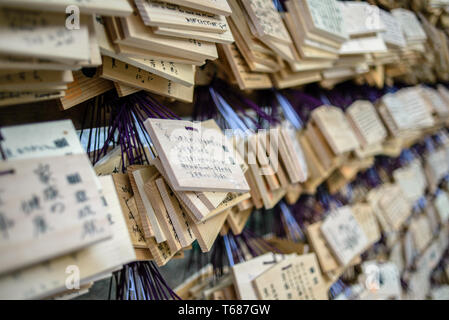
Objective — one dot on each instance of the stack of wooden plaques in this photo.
(318, 41)
(159, 46)
(38, 53)
(368, 127)
(436, 102)
(414, 52)
(274, 161)
(60, 219)
(337, 144)
(394, 40)
(257, 44)
(274, 168)
(40, 47)
(411, 179)
(412, 28)
(137, 47)
(437, 39)
(406, 111)
(282, 49)
(371, 135)
(336, 243)
(247, 60)
(191, 189)
(317, 30)
(266, 278)
(331, 139)
(366, 46)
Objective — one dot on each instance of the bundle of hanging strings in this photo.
(286, 226)
(114, 125)
(231, 250)
(141, 281)
(110, 122)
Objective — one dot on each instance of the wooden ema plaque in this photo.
(122, 72)
(196, 158)
(42, 35)
(280, 282)
(156, 13)
(335, 128)
(41, 280)
(245, 77)
(58, 212)
(366, 123)
(364, 214)
(344, 235)
(243, 273)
